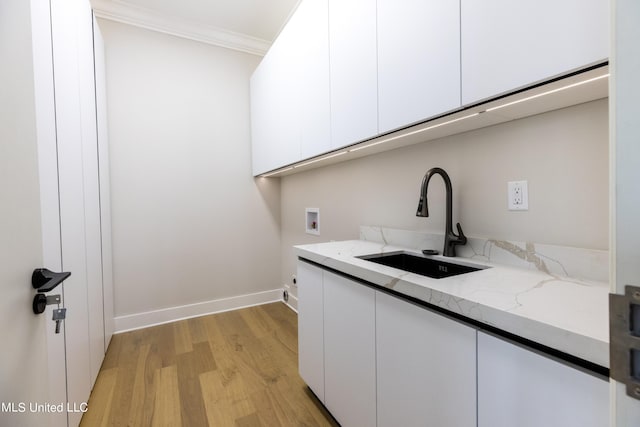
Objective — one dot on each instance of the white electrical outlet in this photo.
(518, 195)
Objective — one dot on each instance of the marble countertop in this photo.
(569, 315)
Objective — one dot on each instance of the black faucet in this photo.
(450, 239)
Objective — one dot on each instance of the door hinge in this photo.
(624, 334)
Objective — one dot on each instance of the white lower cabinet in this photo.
(426, 367)
(518, 387)
(311, 327)
(377, 360)
(349, 351)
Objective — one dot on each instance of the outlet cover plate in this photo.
(518, 195)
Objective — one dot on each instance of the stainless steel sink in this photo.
(422, 265)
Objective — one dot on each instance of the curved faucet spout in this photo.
(450, 238)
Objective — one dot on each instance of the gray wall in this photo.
(562, 154)
(190, 224)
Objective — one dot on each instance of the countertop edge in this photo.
(580, 346)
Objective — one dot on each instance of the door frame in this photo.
(624, 158)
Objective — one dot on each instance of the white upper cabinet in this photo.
(290, 90)
(354, 75)
(313, 19)
(344, 71)
(509, 44)
(418, 60)
(275, 104)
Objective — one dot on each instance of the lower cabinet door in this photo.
(426, 367)
(518, 387)
(310, 327)
(349, 351)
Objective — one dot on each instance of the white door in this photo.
(32, 365)
(625, 167)
(53, 210)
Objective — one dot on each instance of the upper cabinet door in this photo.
(290, 90)
(418, 60)
(354, 75)
(312, 30)
(509, 44)
(275, 103)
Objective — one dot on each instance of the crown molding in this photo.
(119, 11)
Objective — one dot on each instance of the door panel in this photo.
(24, 365)
(49, 203)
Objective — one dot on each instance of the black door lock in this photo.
(45, 280)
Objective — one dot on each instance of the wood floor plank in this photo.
(182, 337)
(167, 410)
(284, 323)
(252, 358)
(190, 366)
(252, 420)
(234, 368)
(127, 362)
(102, 395)
(271, 410)
(113, 352)
(198, 329)
(144, 387)
(136, 410)
(225, 397)
(162, 343)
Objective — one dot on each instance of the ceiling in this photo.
(256, 22)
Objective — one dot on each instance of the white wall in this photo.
(563, 154)
(190, 224)
(23, 359)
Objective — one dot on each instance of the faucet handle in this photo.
(462, 239)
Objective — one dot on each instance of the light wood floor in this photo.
(238, 368)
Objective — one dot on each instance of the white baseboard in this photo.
(157, 317)
(292, 303)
